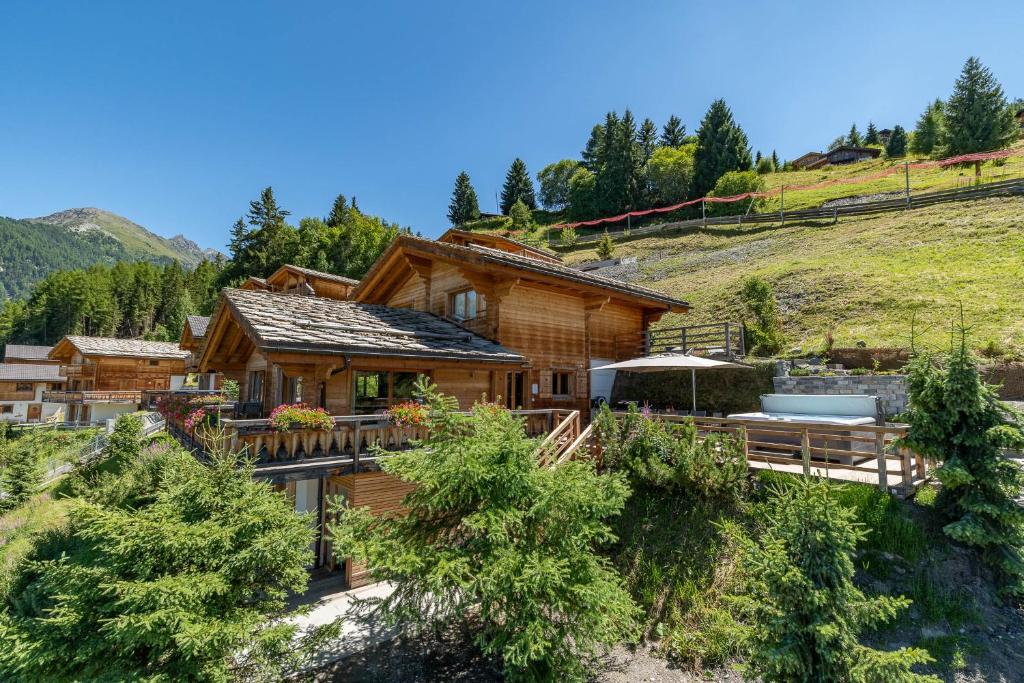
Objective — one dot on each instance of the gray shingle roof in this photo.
(317, 274)
(27, 372)
(27, 351)
(307, 323)
(132, 348)
(198, 325)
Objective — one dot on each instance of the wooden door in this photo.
(35, 412)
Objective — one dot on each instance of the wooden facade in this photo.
(295, 280)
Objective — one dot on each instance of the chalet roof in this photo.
(282, 322)
(27, 352)
(523, 264)
(29, 372)
(129, 348)
(198, 324)
(453, 235)
(331, 277)
(873, 151)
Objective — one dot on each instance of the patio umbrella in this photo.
(673, 361)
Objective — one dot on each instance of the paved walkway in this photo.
(329, 601)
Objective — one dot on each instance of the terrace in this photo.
(86, 397)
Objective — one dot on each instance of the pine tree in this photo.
(721, 147)
(775, 161)
(673, 133)
(977, 116)
(593, 153)
(264, 212)
(463, 207)
(871, 137)
(340, 212)
(522, 220)
(757, 158)
(929, 131)
(647, 138)
(853, 138)
(518, 185)
(897, 145)
(606, 247)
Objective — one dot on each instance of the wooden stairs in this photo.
(567, 441)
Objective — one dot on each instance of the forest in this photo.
(152, 300)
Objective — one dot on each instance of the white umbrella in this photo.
(673, 361)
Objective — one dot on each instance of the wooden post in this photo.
(728, 340)
(906, 171)
(356, 438)
(883, 476)
(805, 450)
(703, 214)
(922, 466)
(782, 204)
(682, 338)
(906, 471)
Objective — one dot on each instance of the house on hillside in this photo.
(106, 376)
(884, 135)
(24, 353)
(1020, 118)
(810, 160)
(847, 154)
(484, 317)
(22, 389)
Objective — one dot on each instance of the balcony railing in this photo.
(353, 441)
(715, 339)
(92, 396)
(80, 372)
(150, 397)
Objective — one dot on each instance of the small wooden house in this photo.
(295, 280)
(25, 353)
(22, 386)
(106, 376)
(847, 154)
(810, 160)
(192, 337)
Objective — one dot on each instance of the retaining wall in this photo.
(890, 389)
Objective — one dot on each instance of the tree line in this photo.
(626, 166)
(151, 301)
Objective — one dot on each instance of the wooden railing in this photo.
(865, 453)
(353, 439)
(150, 397)
(81, 371)
(715, 339)
(92, 396)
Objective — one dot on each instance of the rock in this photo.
(933, 632)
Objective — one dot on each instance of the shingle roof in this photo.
(27, 351)
(26, 372)
(133, 348)
(308, 323)
(543, 267)
(469, 235)
(198, 325)
(317, 274)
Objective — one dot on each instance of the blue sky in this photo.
(176, 114)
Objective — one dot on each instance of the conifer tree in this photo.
(606, 247)
(593, 153)
(977, 116)
(929, 131)
(522, 220)
(897, 145)
(775, 161)
(721, 147)
(518, 186)
(673, 132)
(871, 137)
(264, 212)
(340, 212)
(757, 158)
(463, 206)
(647, 138)
(853, 138)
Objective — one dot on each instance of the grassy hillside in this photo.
(862, 278)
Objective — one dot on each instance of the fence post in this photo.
(883, 476)
(682, 338)
(728, 340)
(703, 214)
(782, 204)
(906, 171)
(905, 470)
(805, 451)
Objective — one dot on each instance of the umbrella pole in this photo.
(693, 385)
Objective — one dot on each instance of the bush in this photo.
(670, 174)
(522, 219)
(764, 328)
(605, 247)
(569, 236)
(498, 544)
(125, 441)
(671, 456)
(805, 611)
(21, 474)
(764, 166)
(956, 418)
(732, 184)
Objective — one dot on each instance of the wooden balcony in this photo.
(84, 397)
(715, 340)
(352, 444)
(80, 372)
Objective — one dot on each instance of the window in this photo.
(23, 386)
(561, 383)
(376, 391)
(294, 390)
(465, 305)
(6, 410)
(154, 362)
(256, 386)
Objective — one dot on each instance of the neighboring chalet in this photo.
(22, 386)
(192, 337)
(809, 161)
(106, 376)
(296, 280)
(24, 353)
(847, 154)
(484, 317)
(254, 283)
(1020, 118)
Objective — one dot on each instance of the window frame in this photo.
(24, 387)
(569, 377)
(480, 304)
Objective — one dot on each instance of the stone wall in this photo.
(891, 389)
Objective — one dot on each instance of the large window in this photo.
(23, 386)
(376, 391)
(6, 410)
(561, 384)
(465, 305)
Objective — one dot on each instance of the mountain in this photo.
(77, 238)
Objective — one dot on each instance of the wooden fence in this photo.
(1000, 188)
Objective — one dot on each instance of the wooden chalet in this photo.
(25, 353)
(810, 160)
(295, 280)
(192, 337)
(22, 386)
(847, 154)
(254, 283)
(482, 316)
(106, 376)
